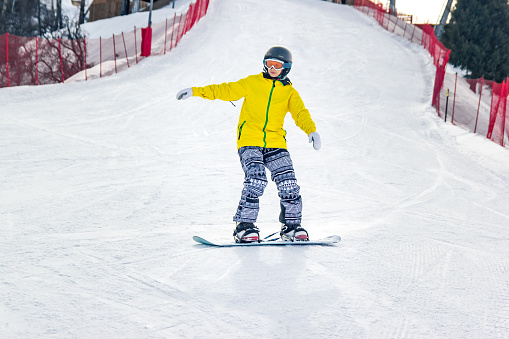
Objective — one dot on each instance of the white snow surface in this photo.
(104, 183)
(119, 24)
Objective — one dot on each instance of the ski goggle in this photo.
(276, 64)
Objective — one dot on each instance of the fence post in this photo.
(423, 43)
(85, 47)
(115, 53)
(135, 47)
(36, 62)
(504, 103)
(454, 100)
(479, 106)
(125, 50)
(61, 63)
(165, 35)
(7, 55)
(446, 105)
(493, 113)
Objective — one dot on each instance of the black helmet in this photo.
(282, 54)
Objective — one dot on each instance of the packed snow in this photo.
(104, 183)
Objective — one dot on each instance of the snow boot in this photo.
(246, 232)
(293, 233)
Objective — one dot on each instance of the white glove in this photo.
(315, 139)
(184, 94)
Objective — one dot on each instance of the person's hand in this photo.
(184, 94)
(315, 139)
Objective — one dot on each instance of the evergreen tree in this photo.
(478, 36)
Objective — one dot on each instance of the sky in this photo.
(424, 11)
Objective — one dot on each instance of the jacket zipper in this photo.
(240, 129)
(267, 115)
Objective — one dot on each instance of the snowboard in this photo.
(328, 241)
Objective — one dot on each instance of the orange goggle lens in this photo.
(277, 65)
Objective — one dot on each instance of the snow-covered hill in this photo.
(103, 184)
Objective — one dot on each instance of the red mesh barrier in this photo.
(37, 61)
(108, 62)
(72, 57)
(4, 70)
(49, 67)
(21, 55)
(472, 105)
(424, 35)
(477, 105)
(498, 122)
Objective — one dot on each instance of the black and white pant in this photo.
(278, 161)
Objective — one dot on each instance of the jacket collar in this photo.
(285, 81)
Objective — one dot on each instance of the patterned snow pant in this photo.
(278, 161)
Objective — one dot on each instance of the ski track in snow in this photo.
(103, 184)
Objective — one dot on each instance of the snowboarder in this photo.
(261, 141)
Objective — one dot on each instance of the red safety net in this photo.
(423, 35)
(4, 64)
(477, 105)
(37, 61)
(472, 107)
(498, 122)
(440, 56)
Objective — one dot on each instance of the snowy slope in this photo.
(103, 184)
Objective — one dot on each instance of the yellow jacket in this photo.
(264, 109)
